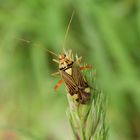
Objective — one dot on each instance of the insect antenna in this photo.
(36, 45)
(67, 30)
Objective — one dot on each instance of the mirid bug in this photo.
(70, 72)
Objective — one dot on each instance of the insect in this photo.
(70, 72)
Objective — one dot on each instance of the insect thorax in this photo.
(65, 65)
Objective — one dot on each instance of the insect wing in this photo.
(83, 87)
(77, 76)
(69, 82)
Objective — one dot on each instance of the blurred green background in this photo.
(105, 33)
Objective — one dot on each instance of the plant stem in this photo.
(88, 120)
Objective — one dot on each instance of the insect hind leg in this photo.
(58, 84)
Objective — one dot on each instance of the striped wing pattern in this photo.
(69, 82)
(77, 75)
(75, 83)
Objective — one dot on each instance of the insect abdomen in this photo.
(83, 95)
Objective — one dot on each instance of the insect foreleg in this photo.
(56, 61)
(55, 73)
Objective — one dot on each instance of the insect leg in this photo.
(58, 84)
(85, 67)
(55, 73)
(56, 61)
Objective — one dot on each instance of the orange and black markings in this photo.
(70, 72)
